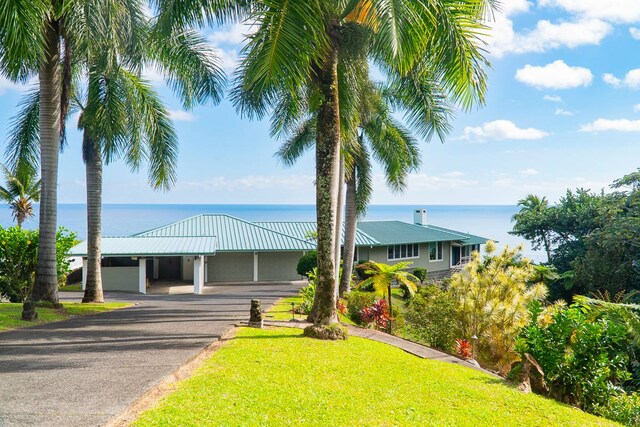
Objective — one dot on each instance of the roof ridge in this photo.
(164, 226)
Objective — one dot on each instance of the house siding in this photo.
(379, 254)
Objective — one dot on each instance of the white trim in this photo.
(85, 266)
(441, 252)
(198, 274)
(255, 266)
(403, 258)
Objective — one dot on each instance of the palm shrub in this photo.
(492, 295)
(431, 318)
(22, 188)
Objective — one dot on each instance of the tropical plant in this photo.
(22, 188)
(377, 315)
(493, 294)
(294, 54)
(533, 222)
(308, 293)
(420, 273)
(383, 276)
(121, 115)
(356, 301)
(431, 318)
(307, 263)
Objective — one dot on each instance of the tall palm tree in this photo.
(297, 45)
(22, 188)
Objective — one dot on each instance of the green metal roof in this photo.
(399, 232)
(469, 239)
(151, 246)
(231, 234)
(301, 229)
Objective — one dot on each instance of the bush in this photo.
(362, 268)
(624, 408)
(356, 302)
(377, 315)
(431, 318)
(420, 273)
(307, 263)
(308, 293)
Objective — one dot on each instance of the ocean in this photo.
(493, 222)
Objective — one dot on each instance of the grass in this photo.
(278, 378)
(10, 313)
(281, 311)
(71, 288)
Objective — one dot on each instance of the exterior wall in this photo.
(278, 265)
(380, 254)
(120, 279)
(187, 268)
(230, 267)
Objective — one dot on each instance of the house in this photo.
(214, 248)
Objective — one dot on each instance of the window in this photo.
(403, 251)
(435, 251)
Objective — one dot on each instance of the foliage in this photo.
(623, 408)
(593, 235)
(308, 293)
(22, 188)
(464, 348)
(492, 296)
(420, 273)
(307, 263)
(19, 257)
(362, 268)
(356, 302)
(583, 354)
(377, 315)
(382, 276)
(341, 307)
(237, 384)
(431, 317)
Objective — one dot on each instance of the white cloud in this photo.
(181, 116)
(635, 33)
(501, 130)
(619, 11)
(636, 108)
(561, 112)
(227, 58)
(529, 172)
(453, 174)
(551, 98)
(7, 85)
(620, 125)
(630, 80)
(556, 75)
(234, 34)
(152, 74)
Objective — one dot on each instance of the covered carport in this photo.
(131, 263)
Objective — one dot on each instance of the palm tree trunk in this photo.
(350, 226)
(45, 287)
(339, 220)
(323, 311)
(93, 165)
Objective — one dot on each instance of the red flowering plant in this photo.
(341, 307)
(377, 314)
(463, 348)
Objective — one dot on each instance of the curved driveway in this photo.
(85, 371)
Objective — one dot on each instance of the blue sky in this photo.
(563, 111)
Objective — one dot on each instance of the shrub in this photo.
(308, 293)
(356, 302)
(464, 349)
(362, 268)
(19, 257)
(377, 315)
(623, 408)
(492, 296)
(431, 318)
(307, 263)
(420, 273)
(584, 360)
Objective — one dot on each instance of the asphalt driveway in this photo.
(85, 371)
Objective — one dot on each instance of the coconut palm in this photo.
(121, 114)
(22, 188)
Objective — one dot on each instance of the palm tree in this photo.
(296, 48)
(121, 115)
(382, 276)
(530, 222)
(21, 190)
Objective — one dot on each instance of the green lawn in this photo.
(71, 288)
(10, 313)
(278, 378)
(282, 311)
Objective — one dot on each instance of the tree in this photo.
(22, 188)
(295, 50)
(532, 222)
(121, 115)
(382, 276)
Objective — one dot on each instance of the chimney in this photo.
(420, 217)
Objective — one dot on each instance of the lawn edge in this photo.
(97, 313)
(166, 385)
